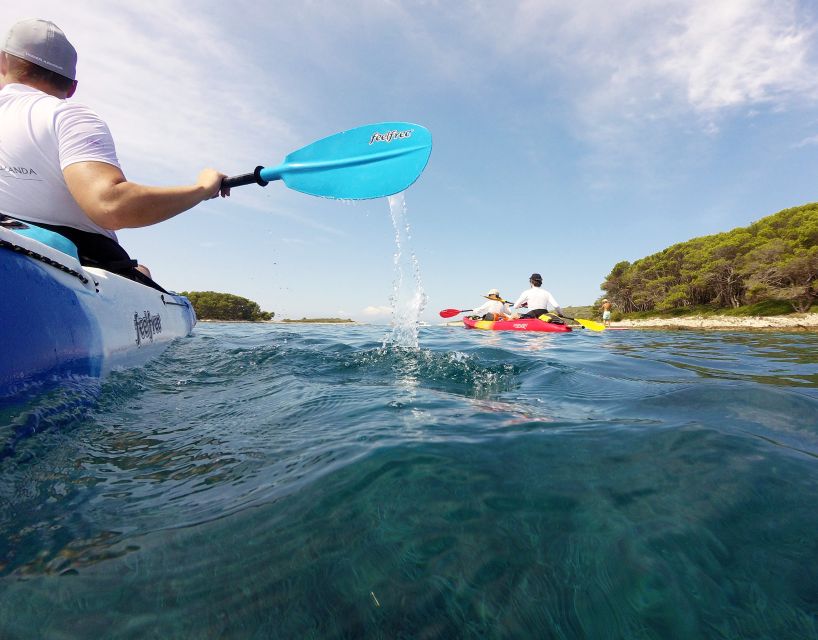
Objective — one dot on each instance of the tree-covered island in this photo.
(772, 262)
(212, 305)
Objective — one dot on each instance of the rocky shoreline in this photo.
(791, 322)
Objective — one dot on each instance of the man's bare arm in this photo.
(106, 196)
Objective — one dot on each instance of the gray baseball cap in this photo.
(43, 43)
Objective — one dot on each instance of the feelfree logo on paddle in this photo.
(390, 135)
(146, 326)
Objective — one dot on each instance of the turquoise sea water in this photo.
(275, 481)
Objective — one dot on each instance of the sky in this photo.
(567, 136)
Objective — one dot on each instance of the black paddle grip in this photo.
(246, 178)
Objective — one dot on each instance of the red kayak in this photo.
(523, 324)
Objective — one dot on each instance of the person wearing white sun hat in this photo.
(494, 309)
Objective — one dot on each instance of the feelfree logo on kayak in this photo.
(146, 326)
(390, 135)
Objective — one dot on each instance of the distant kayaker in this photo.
(606, 312)
(58, 163)
(537, 300)
(494, 309)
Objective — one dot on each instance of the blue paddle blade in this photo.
(372, 161)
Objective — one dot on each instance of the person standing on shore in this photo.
(536, 299)
(58, 164)
(606, 312)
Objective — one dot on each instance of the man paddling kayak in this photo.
(537, 300)
(58, 163)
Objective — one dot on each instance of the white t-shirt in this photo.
(537, 298)
(40, 135)
(491, 306)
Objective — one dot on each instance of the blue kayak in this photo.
(62, 319)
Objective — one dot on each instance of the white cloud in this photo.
(381, 310)
(630, 77)
(740, 52)
(259, 203)
(633, 60)
(812, 140)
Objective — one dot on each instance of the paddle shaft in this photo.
(246, 178)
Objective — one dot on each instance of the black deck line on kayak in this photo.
(178, 304)
(38, 256)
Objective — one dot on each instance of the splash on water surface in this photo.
(408, 298)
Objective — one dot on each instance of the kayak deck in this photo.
(522, 324)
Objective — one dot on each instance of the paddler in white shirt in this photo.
(58, 164)
(536, 299)
(494, 309)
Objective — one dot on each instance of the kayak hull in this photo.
(60, 319)
(522, 324)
